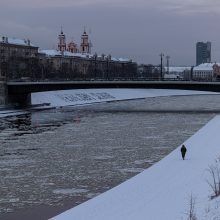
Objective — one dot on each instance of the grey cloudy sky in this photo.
(137, 29)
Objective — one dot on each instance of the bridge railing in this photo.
(95, 79)
(28, 79)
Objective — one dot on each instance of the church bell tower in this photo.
(62, 41)
(85, 45)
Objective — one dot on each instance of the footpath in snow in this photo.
(89, 96)
(162, 192)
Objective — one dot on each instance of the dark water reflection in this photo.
(78, 152)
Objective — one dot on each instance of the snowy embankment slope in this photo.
(162, 192)
(89, 96)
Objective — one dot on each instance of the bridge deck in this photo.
(29, 87)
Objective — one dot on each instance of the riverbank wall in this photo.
(3, 92)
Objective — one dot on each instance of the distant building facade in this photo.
(203, 53)
(69, 65)
(21, 60)
(16, 56)
(72, 47)
(206, 72)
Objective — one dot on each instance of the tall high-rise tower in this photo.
(85, 45)
(203, 52)
(62, 41)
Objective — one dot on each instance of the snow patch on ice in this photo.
(69, 191)
(103, 157)
(139, 162)
(14, 200)
(132, 170)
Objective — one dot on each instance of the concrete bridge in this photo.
(19, 92)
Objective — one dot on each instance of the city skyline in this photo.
(140, 30)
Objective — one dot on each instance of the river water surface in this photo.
(56, 159)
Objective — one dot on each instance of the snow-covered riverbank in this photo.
(89, 96)
(163, 191)
(53, 99)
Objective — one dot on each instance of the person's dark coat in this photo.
(183, 151)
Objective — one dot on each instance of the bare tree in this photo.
(214, 183)
(191, 213)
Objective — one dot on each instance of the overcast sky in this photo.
(137, 29)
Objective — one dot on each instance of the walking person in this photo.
(183, 151)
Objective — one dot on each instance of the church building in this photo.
(85, 46)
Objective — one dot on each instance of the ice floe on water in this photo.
(102, 157)
(132, 170)
(70, 191)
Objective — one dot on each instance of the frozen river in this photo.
(75, 153)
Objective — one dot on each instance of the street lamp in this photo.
(107, 67)
(161, 66)
(168, 64)
(95, 58)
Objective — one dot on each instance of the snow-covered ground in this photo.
(163, 191)
(7, 113)
(88, 96)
